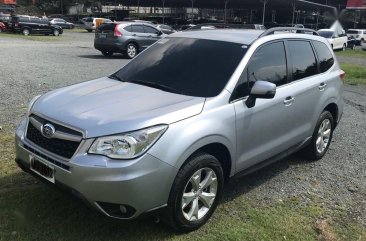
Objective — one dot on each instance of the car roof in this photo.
(241, 36)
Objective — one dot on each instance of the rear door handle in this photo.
(289, 100)
(322, 86)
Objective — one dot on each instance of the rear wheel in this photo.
(107, 53)
(131, 50)
(89, 30)
(26, 32)
(195, 193)
(321, 138)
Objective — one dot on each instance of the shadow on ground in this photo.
(100, 56)
(40, 212)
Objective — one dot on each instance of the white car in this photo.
(358, 34)
(91, 23)
(336, 39)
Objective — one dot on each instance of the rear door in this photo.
(138, 33)
(152, 34)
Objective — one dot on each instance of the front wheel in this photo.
(321, 138)
(56, 32)
(195, 193)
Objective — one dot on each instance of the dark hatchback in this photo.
(33, 25)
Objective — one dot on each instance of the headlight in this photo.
(128, 145)
(31, 103)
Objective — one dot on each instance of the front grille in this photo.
(60, 147)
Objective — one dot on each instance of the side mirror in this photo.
(262, 90)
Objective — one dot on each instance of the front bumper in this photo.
(140, 185)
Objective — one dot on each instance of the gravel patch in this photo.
(339, 179)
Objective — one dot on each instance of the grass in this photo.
(41, 38)
(34, 211)
(352, 53)
(355, 74)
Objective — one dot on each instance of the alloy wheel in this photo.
(324, 133)
(199, 194)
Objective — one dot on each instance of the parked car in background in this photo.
(170, 128)
(166, 29)
(336, 40)
(128, 38)
(207, 26)
(90, 23)
(62, 23)
(359, 35)
(2, 27)
(33, 25)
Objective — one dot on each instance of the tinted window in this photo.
(303, 59)
(326, 34)
(137, 29)
(194, 67)
(149, 29)
(128, 28)
(325, 57)
(107, 27)
(353, 32)
(268, 63)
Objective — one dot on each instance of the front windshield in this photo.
(326, 34)
(194, 67)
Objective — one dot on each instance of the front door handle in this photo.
(289, 100)
(322, 86)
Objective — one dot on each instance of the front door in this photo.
(263, 130)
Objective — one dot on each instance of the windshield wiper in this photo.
(116, 77)
(156, 86)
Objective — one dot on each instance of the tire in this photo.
(1, 30)
(25, 32)
(89, 30)
(325, 124)
(107, 53)
(56, 32)
(206, 198)
(332, 46)
(131, 50)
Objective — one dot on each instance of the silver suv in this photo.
(128, 38)
(168, 129)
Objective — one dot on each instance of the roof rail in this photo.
(279, 29)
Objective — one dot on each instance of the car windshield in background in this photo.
(326, 34)
(194, 67)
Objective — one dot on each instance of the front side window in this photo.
(188, 66)
(268, 63)
(149, 29)
(326, 34)
(303, 59)
(325, 57)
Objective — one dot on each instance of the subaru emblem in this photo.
(48, 130)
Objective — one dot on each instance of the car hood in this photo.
(105, 106)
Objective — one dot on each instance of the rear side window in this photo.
(23, 19)
(325, 57)
(303, 59)
(128, 28)
(269, 64)
(137, 29)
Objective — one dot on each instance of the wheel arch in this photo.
(333, 109)
(132, 41)
(217, 149)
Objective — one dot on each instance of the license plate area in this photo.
(102, 35)
(42, 168)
